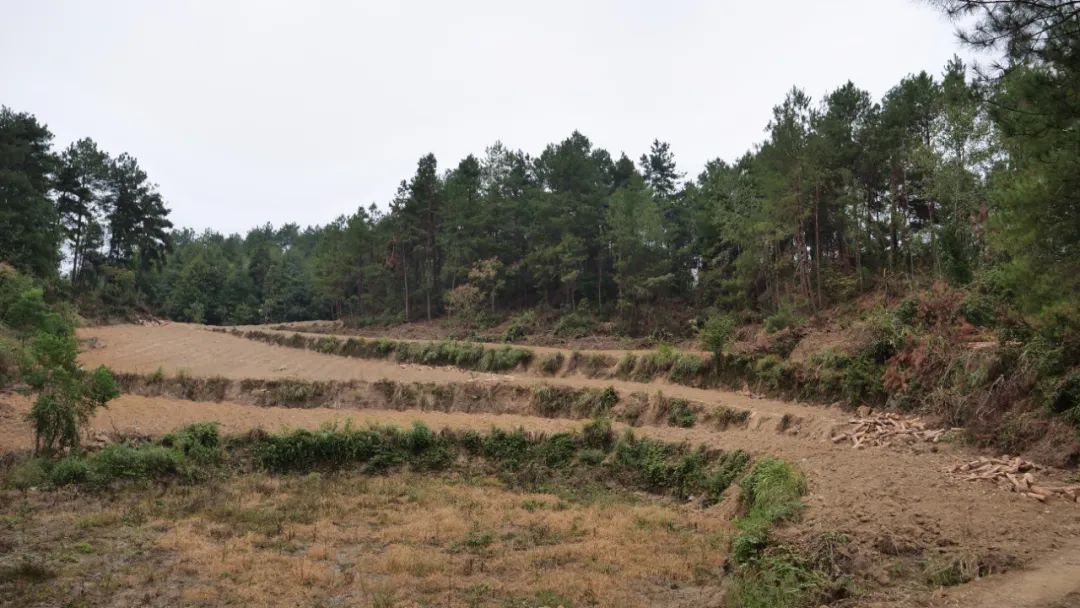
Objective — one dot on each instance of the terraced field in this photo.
(893, 519)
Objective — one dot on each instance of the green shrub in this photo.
(978, 310)
(198, 442)
(686, 368)
(70, 471)
(784, 318)
(567, 401)
(67, 394)
(855, 379)
(715, 333)
(680, 414)
(907, 312)
(573, 325)
(508, 447)
(591, 403)
(10, 353)
(730, 467)
(520, 326)
(29, 474)
(626, 365)
(771, 371)
(591, 456)
(124, 462)
(328, 345)
(504, 359)
(26, 312)
(291, 392)
(302, 450)
(597, 434)
(556, 450)
(886, 336)
(1063, 395)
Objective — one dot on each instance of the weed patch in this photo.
(465, 355)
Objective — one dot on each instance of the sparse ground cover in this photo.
(403, 539)
(372, 516)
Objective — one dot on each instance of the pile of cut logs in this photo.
(1015, 475)
(887, 428)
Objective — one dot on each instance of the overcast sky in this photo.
(253, 112)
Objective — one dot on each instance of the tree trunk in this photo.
(599, 280)
(405, 271)
(817, 241)
(933, 242)
(892, 219)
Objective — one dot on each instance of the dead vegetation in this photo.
(397, 540)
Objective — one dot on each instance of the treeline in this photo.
(845, 194)
(953, 177)
(97, 217)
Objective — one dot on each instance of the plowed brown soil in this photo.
(200, 352)
(891, 502)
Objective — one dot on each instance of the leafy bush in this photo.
(70, 471)
(520, 326)
(681, 413)
(886, 336)
(505, 358)
(856, 379)
(907, 312)
(68, 398)
(597, 434)
(124, 462)
(29, 474)
(466, 355)
(779, 580)
(573, 325)
(715, 333)
(730, 467)
(650, 365)
(198, 442)
(783, 318)
(654, 465)
(686, 368)
(328, 345)
(10, 353)
(978, 310)
(556, 450)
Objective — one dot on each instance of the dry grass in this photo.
(397, 540)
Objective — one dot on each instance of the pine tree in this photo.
(29, 230)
